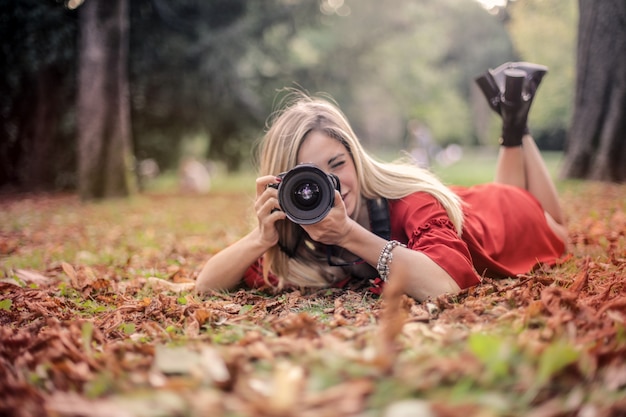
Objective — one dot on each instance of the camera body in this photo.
(306, 193)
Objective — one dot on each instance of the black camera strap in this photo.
(380, 221)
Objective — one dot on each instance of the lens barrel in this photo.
(306, 193)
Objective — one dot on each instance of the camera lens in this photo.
(306, 195)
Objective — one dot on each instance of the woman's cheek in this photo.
(350, 206)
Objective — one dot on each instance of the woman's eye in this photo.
(337, 164)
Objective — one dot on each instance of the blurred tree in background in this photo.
(408, 61)
(597, 138)
(208, 68)
(209, 72)
(545, 32)
(37, 88)
(105, 158)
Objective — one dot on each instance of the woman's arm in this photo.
(225, 269)
(421, 276)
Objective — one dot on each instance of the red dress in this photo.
(505, 232)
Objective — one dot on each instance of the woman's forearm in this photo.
(421, 277)
(225, 269)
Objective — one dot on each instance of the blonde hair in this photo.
(298, 260)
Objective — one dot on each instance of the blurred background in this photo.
(155, 87)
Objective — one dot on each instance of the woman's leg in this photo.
(511, 167)
(524, 167)
(510, 90)
(539, 182)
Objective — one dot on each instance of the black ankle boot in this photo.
(510, 90)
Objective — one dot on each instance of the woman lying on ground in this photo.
(394, 220)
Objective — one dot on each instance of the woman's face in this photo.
(333, 157)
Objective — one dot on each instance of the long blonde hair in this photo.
(298, 260)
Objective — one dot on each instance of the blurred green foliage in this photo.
(205, 75)
(546, 32)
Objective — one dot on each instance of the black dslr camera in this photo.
(306, 193)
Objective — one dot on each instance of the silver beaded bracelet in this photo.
(385, 258)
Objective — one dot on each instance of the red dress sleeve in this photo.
(421, 222)
(253, 277)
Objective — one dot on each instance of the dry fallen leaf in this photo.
(71, 273)
(32, 277)
(159, 284)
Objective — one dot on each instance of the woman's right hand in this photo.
(225, 269)
(267, 209)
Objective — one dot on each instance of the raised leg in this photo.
(524, 167)
(539, 182)
(510, 90)
(511, 167)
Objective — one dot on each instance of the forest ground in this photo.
(98, 318)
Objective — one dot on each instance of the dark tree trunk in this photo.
(28, 156)
(40, 152)
(105, 159)
(596, 146)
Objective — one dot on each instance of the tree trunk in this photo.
(40, 152)
(596, 146)
(28, 155)
(105, 158)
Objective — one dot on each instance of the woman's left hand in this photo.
(333, 228)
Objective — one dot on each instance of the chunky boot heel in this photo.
(514, 108)
(514, 81)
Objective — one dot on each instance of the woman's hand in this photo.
(333, 228)
(225, 269)
(267, 210)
